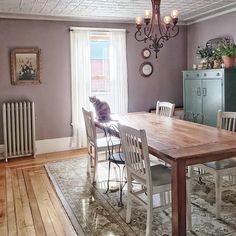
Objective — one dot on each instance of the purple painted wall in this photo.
(165, 83)
(200, 33)
(53, 98)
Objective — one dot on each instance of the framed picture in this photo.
(25, 66)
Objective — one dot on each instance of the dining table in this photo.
(180, 143)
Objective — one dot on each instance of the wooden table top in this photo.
(174, 139)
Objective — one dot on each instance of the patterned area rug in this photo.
(93, 212)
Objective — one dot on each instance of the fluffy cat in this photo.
(102, 109)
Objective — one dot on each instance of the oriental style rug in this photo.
(92, 212)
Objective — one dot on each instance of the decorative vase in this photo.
(210, 64)
(228, 61)
(204, 63)
(217, 64)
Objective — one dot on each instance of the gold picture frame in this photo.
(25, 66)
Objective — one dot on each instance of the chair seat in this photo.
(102, 142)
(155, 161)
(161, 175)
(118, 158)
(220, 165)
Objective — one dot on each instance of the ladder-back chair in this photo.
(224, 169)
(153, 179)
(165, 109)
(95, 144)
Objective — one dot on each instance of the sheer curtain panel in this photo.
(118, 72)
(80, 83)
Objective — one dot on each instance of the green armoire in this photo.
(207, 91)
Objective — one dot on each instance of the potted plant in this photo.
(205, 54)
(228, 54)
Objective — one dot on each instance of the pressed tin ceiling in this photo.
(110, 10)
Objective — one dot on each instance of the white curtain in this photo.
(81, 78)
(118, 72)
(80, 84)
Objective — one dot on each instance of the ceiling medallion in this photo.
(156, 30)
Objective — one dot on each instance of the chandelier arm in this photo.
(172, 32)
(139, 37)
(167, 34)
(147, 31)
(175, 28)
(159, 44)
(156, 45)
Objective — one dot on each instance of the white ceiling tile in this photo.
(124, 10)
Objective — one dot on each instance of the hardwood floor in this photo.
(28, 202)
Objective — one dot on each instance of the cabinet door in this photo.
(193, 100)
(211, 100)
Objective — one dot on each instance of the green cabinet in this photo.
(206, 92)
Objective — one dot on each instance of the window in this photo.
(98, 67)
(99, 43)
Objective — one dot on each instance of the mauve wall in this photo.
(53, 98)
(165, 83)
(200, 33)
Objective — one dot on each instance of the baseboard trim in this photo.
(1, 151)
(49, 145)
(53, 145)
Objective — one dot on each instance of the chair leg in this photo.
(108, 180)
(129, 203)
(149, 214)
(89, 162)
(120, 203)
(88, 165)
(95, 166)
(218, 195)
(90, 148)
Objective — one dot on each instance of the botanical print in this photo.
(26, 67)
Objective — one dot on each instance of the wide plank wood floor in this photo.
(28, 203)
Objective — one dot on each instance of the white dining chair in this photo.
(165, 109)
(221, 170)
(153, 179)
(95, 144)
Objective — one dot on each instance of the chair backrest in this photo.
(135, 148)
(110, 132)
(165, 108)
(226, 120)
(89, 126)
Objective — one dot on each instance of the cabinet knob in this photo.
(197, 75)
(186, 75)
(205, 74)
(218, 74)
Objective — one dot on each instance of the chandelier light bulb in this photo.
(167, 20)
(174, 14)
(147, 14)
(139, 20)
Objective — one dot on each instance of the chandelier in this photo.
(156, 30)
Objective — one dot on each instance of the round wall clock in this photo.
(146, 69)
(146, 53)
